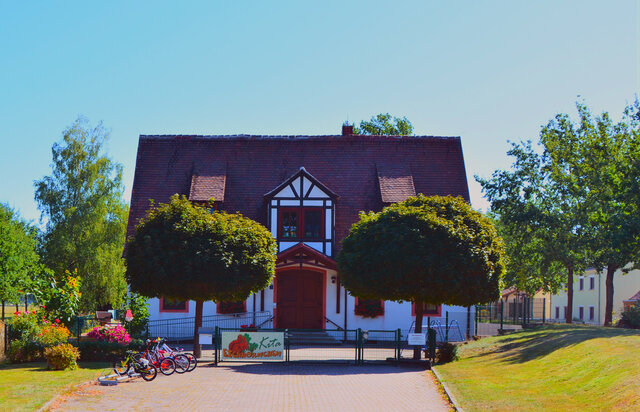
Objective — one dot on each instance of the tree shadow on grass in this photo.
(531, 344)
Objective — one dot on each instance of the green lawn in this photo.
(26, 387)
(549, 368)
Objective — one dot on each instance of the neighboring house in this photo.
(513, 301)
(632, 301)
(589, 296)
(308, 190)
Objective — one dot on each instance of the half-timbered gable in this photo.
(301, 210)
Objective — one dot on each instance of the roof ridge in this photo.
(289, 137)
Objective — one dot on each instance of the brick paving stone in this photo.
(270, 387)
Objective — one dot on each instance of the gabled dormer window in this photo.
(301, 209)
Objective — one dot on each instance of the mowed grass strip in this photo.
(554, 367)
(28, 386)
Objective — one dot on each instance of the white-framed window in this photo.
(581, 282)
(592, 313)
(592, 282)
(581, 312)
(557, 312)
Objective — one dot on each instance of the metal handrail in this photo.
(266, 321)
(333, 323)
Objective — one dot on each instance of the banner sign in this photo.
(263, 346)
(417, 339)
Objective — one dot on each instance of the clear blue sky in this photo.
(485, 71)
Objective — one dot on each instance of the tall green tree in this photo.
(430, 250)
(85, 214)
(18, 256)
(385, 124)
(185, 252)
(577, 199)
(607, 168)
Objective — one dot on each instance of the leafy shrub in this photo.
(24, 350)
(115, 334)
(630, 319)
(140, 312)
(62, 357)
(447, 352)
(100, 351)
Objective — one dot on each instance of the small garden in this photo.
(555, 367)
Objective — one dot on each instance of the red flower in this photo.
(57, 320)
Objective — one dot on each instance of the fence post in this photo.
(78, 329)
(398, 343)
(475, 329)
(446, 327)
(287, 345)
(215, 346)
(544, 309)
(501, 314)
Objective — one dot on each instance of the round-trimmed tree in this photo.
(187, 252)
(430, 250)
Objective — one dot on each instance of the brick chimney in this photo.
(347, 129)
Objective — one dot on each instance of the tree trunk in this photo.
(3, 310)
(26, 304)
(569, 314)
(197, 352)
(608, 306)
(419, 307)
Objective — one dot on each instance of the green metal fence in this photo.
(351, 346)
(181, 329)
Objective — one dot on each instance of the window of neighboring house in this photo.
(581, 313)
(301, 223)
(592, 312)
(429, 310)
(557, 312)
(592, 282)
(565, 312)
(231, 307)
(369, 308)
(581, 283)
(173, 305)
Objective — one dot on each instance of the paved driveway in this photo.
(270, 387)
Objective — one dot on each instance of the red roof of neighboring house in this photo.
(634, 298)
(364, 172)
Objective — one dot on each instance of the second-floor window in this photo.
(304, 223)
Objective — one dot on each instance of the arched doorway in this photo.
(299, 299)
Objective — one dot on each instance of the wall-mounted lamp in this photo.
(333, 279)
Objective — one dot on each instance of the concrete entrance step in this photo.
(302, 337)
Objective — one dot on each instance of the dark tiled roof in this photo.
(395, 180)
(255, 165)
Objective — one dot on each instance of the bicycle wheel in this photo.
(167, 366)
(148, 372)
(193, 362)
(121, 367)
(182, 363)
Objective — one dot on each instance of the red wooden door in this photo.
(299, 299)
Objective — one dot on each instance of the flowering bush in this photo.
(53, 334)
(62, 356)
(231, 307)
(115, 334)
(26, 324)
(137, 304)
(369, 308)
(60, 295)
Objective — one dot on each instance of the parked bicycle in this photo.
(181, 357)
(160, 359)
(134, 362)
